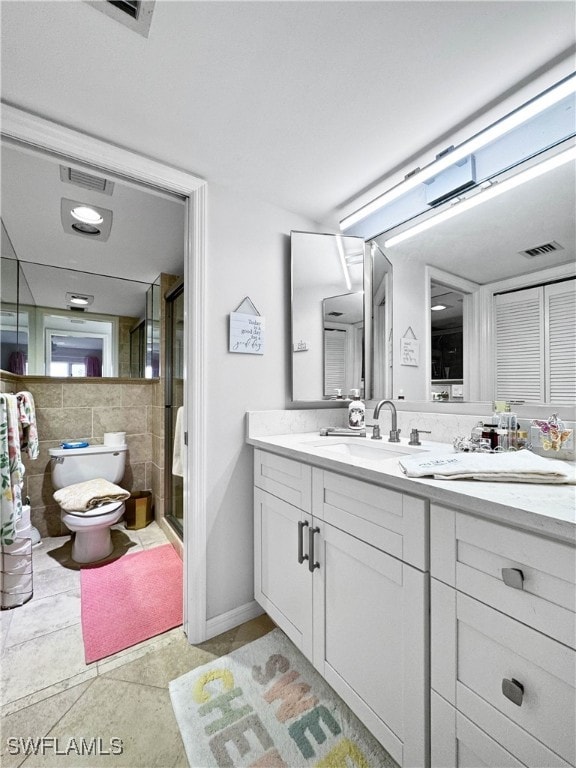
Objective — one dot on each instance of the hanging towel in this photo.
(11, 468)
(81, 497)
(28, 427)
(507, 467)
(178, 451)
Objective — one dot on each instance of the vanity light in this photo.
(343, 263)
(511, 121)
(487, 193)
(87, 215)
(438, 307)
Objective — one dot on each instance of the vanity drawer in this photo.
(509, 679)
(287, 479)
(390, 521)
(526, 576)
(458, 743)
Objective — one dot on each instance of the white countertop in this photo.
(549, 509)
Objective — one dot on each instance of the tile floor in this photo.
(48, 691)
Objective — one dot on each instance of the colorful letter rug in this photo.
(265, 706)
(130, 600)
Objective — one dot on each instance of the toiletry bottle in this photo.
(356, 411)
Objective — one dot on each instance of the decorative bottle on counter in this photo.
(356, 411)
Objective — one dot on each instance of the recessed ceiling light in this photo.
(79, 299)
(86, 215)
(86, 229)
(438, 307)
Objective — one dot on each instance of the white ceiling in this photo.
(301, 104)
(485, 243)
(146, 238)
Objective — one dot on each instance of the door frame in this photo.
(26, 130)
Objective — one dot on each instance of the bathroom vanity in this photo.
(442, 612)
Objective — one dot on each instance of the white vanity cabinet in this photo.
(341, 566)
(503, 659)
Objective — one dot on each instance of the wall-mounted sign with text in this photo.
(246, 333)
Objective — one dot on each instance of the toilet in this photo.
(92, 540)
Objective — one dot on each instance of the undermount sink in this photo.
(372, 450)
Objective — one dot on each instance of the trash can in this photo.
(138, 510)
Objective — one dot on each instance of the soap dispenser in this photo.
(356, 411)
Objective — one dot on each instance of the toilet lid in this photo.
(104, 509)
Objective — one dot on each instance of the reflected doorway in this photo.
(174, 402)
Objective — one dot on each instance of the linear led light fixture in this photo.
(487, 193)
(345, 269)
(532, 108)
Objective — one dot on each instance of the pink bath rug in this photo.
(130, 600)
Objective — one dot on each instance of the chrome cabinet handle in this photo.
(301, 556)
(513, 577)
(312, 564)
(513, 690)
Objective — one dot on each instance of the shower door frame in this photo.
(36, 133)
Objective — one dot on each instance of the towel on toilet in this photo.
(81, 497)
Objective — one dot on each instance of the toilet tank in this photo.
(74, 465)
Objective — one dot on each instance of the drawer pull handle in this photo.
(312, 564)
(301, 556)
(513, 577)
(513, 690)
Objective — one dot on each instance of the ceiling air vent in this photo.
(131, 7)
(134, 14)
(86, 180)
(541, 250)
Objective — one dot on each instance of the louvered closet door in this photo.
(334, 361)
(560, 323)
(520, 346)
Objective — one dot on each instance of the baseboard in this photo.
(233, 618)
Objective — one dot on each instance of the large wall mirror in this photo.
(484, 259)
(450, 282)
(341, 315)
(81, 297)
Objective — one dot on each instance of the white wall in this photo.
(410, 299)
(248, 255)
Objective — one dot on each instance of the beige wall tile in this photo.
(135, 478)
(46, 394)
(132, 420)
(40, 490)
(92, 394)
(64, 423)
(139, 448)
(47, 520)
(137, 394)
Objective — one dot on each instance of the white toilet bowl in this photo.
(92, 540)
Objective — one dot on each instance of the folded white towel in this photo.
(178, 449)
(506, 467)
(80, 497)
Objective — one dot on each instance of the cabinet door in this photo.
(370, 630)
(458, 743)
(516, 684)
(282, 585)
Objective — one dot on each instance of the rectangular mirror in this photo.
(78, 298)
(328, 320)
(341, 318)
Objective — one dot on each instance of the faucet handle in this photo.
(415, 436)
(376, 432)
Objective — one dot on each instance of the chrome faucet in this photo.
(394, 431)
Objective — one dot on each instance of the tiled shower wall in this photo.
(86, 409)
